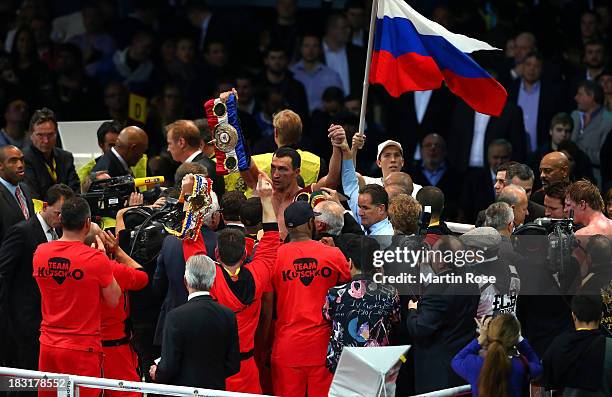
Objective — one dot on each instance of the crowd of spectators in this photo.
(288, 248)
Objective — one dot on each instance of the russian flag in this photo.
(412, 53)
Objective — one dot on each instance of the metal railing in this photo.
(69, 387)
(453, 391)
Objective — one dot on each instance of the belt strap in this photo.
(116, 342)
(247, 355)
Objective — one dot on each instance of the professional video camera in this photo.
(145, 231)
(107, 196)
(561, 240)
(560, 245)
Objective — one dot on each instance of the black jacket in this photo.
(509, 125)
(450, 184)
(10, 212)
(403, 118)
(111, 164)
(477, 193)
(37, 177)
(356, 58)
(200, 346)
(441, 326)
(550, 103)
(19, 293)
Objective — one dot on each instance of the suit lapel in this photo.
(12, 201)
(39, 234)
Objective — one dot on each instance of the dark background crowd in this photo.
(298, 73)
(84, 59)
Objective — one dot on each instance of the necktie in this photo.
(53, 234)
(22, 202)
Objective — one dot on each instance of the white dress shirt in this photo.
(338, 61)
(46, 228)
(193, 156)
(481, 121)
(196, 294)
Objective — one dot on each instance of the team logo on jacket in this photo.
(59, 269)
(306, 269)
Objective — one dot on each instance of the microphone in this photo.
(148, 181)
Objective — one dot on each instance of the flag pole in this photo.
(366, 84)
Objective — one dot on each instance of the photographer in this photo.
(542, 306)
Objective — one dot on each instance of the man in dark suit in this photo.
(131, 144)
(434, 170)
(539, 99)
(168, 277)
(19, 294)
(441, 324)
(15, 198)
(200, 345)
(479, 182)
(416, 114)
(46, 164)
(473, 132)
(342, 56)
(15, 206)
(184, 138)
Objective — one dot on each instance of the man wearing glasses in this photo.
(47, 164)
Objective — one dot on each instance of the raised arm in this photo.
(337, 135)
(268, 246)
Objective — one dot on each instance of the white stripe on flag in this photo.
(398, 8)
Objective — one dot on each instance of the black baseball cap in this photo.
(298, 213)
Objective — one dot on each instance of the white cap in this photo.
(387, 143)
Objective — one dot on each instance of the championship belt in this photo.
(198, 205)
(230, 147)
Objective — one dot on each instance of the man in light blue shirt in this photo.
(314, 75)
(369, 204)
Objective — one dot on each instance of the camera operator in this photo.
(542, 306)
(554, 200)
(584, 198)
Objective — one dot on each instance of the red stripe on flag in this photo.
(414, 72)
(408, 72)
(484, 95)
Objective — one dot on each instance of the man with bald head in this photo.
(554, 168)
(399, 182)
(516, 197)
(132, 143)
